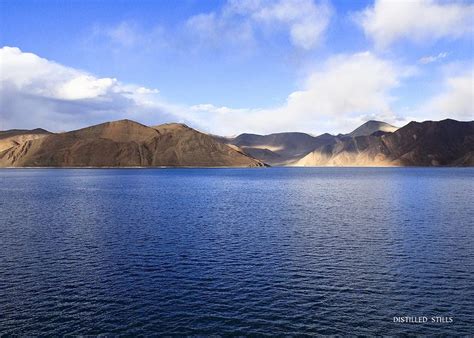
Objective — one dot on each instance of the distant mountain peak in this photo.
(375, 122)
(372, 126)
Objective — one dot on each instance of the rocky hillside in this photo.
(125, 144)
(443, 143)
(14, 137)
(280, 148)
(130, 144)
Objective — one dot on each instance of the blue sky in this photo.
(233, 66)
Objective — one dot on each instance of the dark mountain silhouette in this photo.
(443, 143)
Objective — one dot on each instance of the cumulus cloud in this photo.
(345, 90)
(348, 84)
(418, 20)
(36, 92)
(338, 95)
(240, 20)
(238, 27)
(305, 20)
(341, 93)
(456, 100)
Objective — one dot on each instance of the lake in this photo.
(236, 251)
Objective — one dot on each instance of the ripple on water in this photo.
(236, 251)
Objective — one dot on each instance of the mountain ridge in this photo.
(126, 143)
(429, 143)
(370, 127)
(278, 148)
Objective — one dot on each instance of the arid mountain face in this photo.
(11, 138)
(443, 143)
(129, 144)
(280, 148)
(126, 144)
(446, 142)
(286, 148)
(371, 127)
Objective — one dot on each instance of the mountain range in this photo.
(122, 144)
(443, 143)
(127, 143)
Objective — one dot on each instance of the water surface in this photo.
(236, 251)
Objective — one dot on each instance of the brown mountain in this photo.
(279, 148)
(14, 137)
(370, 127)
(443, 143)
(126, 144)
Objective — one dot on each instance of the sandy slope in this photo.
(12, 138)
(279, 148)
(429, 143)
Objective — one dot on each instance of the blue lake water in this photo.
(236, 251)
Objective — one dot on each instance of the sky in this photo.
(232, 66)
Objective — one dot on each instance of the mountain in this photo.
(11, 138)
(126, 144)
(130, 144)
(279, 148)
(285, 148)
(370, 127)
(443, 143)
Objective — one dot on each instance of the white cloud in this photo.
(144, 91)
(345, 90)
(218, 31)
(348, 84)
(35, 92)
(305, 20)
(417, 20)
(84, 87)
(456, 100)
(239, 21)
(341, 93)
(433, 58)
(237, 28)
(36, 76)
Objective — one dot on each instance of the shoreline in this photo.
(234, 167)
